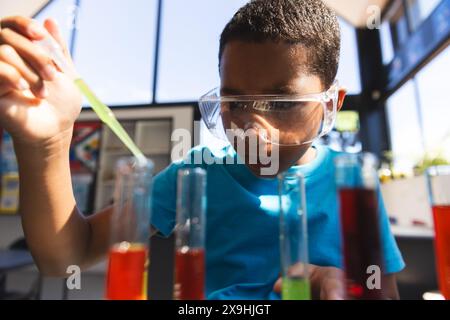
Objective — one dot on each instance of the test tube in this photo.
(439, 191)
(293, 237)
(190, 235)
(357, 180)
(130, 231)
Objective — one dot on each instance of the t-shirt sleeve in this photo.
(164, 200)
(393, 260)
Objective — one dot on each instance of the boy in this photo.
(280, 47)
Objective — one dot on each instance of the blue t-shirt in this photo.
(242, 233)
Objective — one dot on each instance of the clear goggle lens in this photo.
(281, 120)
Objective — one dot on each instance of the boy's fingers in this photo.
(278, 285)
(27, 27)
(176, 291)
(4, 89)
(10, 78)
(11, 57)
(333, 284)
(332, 289)
(327, 283)
(52, 27)
(31, 53)
(297, 270)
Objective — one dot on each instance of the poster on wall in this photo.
(84, 153)
(9, 183)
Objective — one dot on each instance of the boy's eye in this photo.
(238, 105)
(281, 106)
(284, 105)
(265, 106)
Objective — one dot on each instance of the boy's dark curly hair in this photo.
(308, 23)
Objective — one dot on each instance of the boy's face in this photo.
(270, 68)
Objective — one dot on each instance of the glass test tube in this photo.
(357, 180)
(439, 192)
(130, 231)
(293, 237)
(190, 235)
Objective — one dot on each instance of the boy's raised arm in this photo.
(56, 232)
(38, 107)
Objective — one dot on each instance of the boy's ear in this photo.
(342, 93)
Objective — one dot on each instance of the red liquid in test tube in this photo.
(190, 235)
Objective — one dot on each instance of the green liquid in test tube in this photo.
(295, 289)
(103, 111)
(293, 237)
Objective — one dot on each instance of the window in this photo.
(419, 10)
(387, 47)
(404, 124)
(114, 45)
(426, 7)
(188, 51)
(189, 47)
(419, 114)
(63, 12)
(394, 30)
(399, 27)
(434, 103)
(114, 50)
(348, 73)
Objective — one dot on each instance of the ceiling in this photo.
(21, 7)
(354, 11)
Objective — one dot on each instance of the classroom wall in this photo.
(10, 229)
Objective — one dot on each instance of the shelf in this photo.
(108, 183)
(412, 232)
(154, 135)
(156, 152)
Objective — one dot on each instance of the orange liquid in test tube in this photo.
(127, 272)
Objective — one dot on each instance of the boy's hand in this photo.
(37, 101)
(326, 282)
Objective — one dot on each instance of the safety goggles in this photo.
(288, 120)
